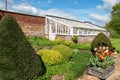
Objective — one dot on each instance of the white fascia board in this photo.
(101, 29)
(46, 25)
(58, 21)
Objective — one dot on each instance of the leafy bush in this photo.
(58, 41)
(42, 52)
(71, 70)
(40, 41)
(18, 60)
(101, 40)
(64, 50)
(50, 57)
(84, 46)
(74, 46)
(75, 39)
(67, 42)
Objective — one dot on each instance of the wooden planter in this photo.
(101, 73)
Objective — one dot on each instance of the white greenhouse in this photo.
(66, 28)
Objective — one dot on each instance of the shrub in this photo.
(58, 41)
(75, 39)
(74, 46)
(64, 50)
(42, 51)
(67, 42)
(50, 57)
(84, 46)
(40, 41)
(18, 60)
(101, 40)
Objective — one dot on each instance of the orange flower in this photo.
(101, 57)
(108, 53)
(103, 53)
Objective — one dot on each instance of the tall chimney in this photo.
(5, 1)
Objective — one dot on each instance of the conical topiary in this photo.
(18, 60)
(101, 40)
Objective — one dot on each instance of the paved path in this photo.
(114, 76)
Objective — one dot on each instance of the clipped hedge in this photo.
(18, 60)
(58, 41)
(50, 57)
(64, 50)
(67, 42)
(101, 40)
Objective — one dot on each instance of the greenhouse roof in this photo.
(76, 23)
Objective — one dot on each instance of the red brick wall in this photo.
(31, 25)
(81, 39)
(64, 37)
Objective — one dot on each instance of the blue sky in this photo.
(95, 11)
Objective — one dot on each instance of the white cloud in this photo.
(100, 18)
(75, 2)
(24, 8)
(1, 5)
(56, 12)
(28, 9)
(10, 1)
(60, 13)
(108, 4)
(49, 1)
(99, 7)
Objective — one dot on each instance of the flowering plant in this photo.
(102, 57)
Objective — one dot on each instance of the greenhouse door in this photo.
(52, 35)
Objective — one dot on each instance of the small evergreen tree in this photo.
(18, 60)
(101, 40)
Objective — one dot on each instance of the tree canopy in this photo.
(114, 23)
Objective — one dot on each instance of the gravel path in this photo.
(114, 76)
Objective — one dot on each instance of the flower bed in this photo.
(102, 64)
(101, 73)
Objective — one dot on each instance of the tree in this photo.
(114, 24)
(101, 40)
(18, 60)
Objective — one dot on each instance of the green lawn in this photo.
(71, 69)
(116, 43)
(40, 41)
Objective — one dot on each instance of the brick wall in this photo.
(85, 38)
(81, 39)
(31, 25)
(35, 26)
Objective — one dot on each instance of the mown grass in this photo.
(40, 41)
(116, 42)
(73, 68)
(70, 70)
(80, 61)
(80, 46)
